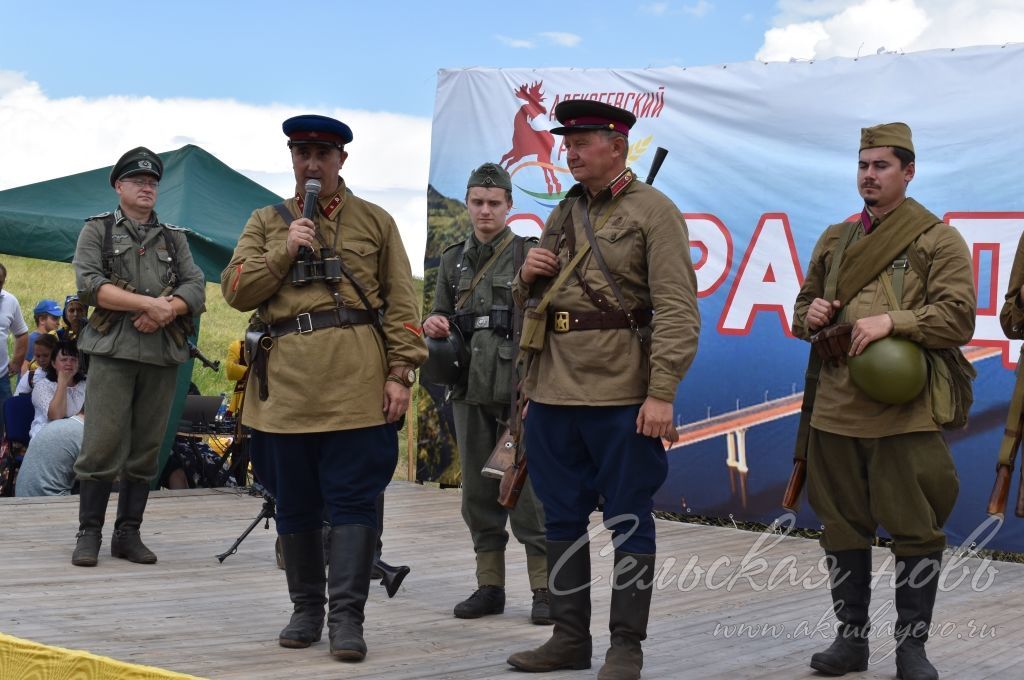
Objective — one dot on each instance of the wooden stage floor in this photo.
(719, 618)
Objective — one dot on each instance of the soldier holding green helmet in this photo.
(902, 280)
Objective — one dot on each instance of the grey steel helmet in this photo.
(448, 359)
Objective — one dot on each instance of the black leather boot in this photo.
(570, 645)
(851, 596)
(307, 582)
(485, 601)
(348, 584)
(92, 509)
(390, 577)
(917, 581)
(131, 504)
(632, 585)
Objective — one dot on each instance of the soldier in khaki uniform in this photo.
(868, 462)
(327, 389)
(1011, 316)
(140, 276)
(601, 389)
(482, 404)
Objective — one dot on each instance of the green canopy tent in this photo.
(197, 191)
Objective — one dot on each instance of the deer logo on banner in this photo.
(526, 141)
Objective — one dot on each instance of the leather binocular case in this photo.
(832, 343)
(535, 327)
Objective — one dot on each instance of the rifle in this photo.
(1008, 452)
(197, 354)
(512, 482)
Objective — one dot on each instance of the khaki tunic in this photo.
(330, 379)
(936, 313)
(1011, 316)
(646, 247)
(140, 257)
(491, 356)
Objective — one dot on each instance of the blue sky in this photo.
(82, 82)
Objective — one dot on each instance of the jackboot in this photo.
(917, 581)
(632, 586)
(348, 584)
(570, 645)
(851, 596)
(307, 582)
(92, 509)
(131, 504)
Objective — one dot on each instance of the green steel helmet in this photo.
(891, 370)
(448, 359)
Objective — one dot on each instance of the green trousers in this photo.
(477, 429)
(127, 404)
(906, 483)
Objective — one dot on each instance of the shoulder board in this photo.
(454, 246)
(528, 239)
(174, 227)
(101, 216)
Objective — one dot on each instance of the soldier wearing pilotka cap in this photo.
(875, 454)
(618, 326)
(331, 377)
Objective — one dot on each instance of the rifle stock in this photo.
(1000, 491)
(512, 484)
(795, 486)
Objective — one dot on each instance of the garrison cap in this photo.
(490, 176)
(48, 307)
(313, 129)
(580, 114)
(887, 134)
(138, 161)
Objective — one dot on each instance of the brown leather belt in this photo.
(564, 322)
(307, 322)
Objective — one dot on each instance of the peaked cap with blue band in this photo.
(314, 129)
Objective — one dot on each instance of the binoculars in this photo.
(306, 269)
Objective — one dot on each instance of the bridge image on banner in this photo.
(762, 158)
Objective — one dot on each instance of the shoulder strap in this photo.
(589, 231)
(285, 214)
(107, 254)
(483, 270)
(172, 250)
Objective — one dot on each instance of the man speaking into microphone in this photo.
(331, 375)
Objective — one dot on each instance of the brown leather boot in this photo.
(632, 585)
(570, 645)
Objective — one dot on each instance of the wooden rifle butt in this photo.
(1000, 491)
(795, 486)
(512, 483)
(1019, 508)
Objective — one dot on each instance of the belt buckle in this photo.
(481, 322)
(561, 322)
(309, 323)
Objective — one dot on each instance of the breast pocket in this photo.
(619, 246)
(361, 258)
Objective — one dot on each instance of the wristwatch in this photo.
(405, 376)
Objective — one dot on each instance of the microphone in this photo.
(309, 210)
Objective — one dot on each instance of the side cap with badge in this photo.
(490, 176)
(138, 161)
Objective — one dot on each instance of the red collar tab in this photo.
(619, 184)
(327, 211)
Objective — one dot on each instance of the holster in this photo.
(256, 349)
(832, 343)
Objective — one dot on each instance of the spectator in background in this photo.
(47, 314)
(236, 369)
(11, 324)
(44, 347)
(49, 465)
(74, 317)
(62, 394)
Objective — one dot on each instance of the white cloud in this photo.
(44, 138)
(698, 9)
(815, 29)
(563, 39)
(655, 8)
(519, 43)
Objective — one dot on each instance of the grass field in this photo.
(32, 280)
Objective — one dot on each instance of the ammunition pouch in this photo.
(535, 326)
(102, 320)
(832, 343)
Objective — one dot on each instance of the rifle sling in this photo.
(599, 258)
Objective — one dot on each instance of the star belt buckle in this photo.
(561, 322)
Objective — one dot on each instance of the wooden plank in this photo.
(191, 614)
